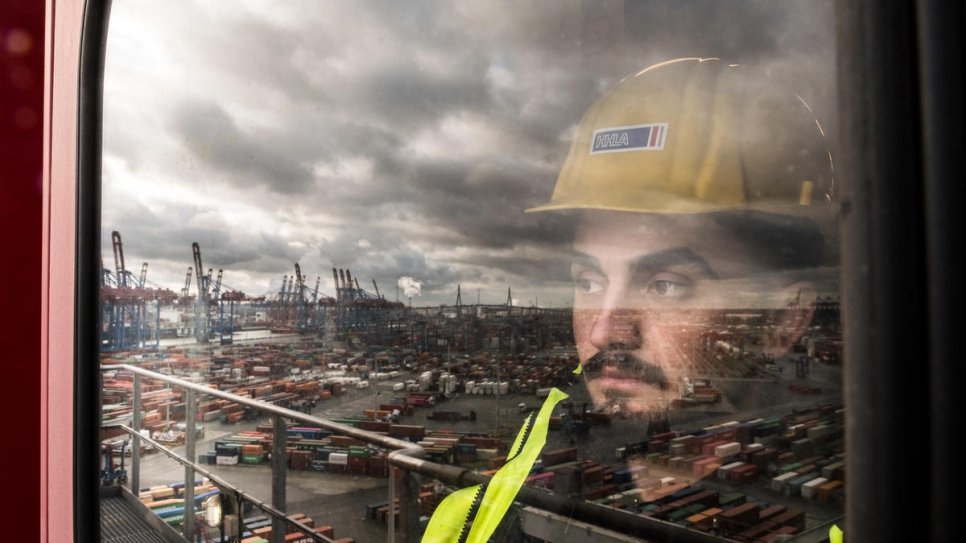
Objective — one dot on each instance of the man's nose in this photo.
(617, 328)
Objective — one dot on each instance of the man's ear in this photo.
(793, 321)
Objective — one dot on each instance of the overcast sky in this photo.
(393, 139)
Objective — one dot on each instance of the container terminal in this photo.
(748, 449)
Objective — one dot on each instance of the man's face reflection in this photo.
(647, 290)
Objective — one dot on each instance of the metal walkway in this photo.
(121, 523)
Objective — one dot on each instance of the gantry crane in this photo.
(124, 298)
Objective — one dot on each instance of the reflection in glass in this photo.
(324, 207)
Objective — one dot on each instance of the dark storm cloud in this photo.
(214, 138)
(379, 135)
(410, 96)
(484, 205)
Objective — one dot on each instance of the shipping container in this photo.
(810, 489)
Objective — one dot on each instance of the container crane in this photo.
(124, 302)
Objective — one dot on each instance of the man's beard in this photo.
(627, 366)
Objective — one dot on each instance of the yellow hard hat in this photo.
(695, 135)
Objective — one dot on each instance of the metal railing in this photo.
(238, 496)
(405, 456)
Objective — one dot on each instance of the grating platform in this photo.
(121, 523)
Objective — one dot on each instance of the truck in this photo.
(697, 391)
(420, 400)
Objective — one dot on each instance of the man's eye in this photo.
(665, 287)
(589, 285)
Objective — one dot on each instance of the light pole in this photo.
(498, 396)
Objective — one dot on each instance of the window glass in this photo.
(428, 214)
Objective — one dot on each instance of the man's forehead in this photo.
(628, 238)
(647, 231)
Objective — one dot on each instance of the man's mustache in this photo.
(629, 366)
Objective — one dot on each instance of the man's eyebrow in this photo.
(668, 258)
(673, 258)
(578, 258)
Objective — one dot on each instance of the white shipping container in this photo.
(226, 460)
(810, 489)
(779, 483)
(752, 447)
(504, 388)
(339, 458)
(396, 387)
(727, 450)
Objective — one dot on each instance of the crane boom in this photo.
(118, 258)
(301, 283)
(199, 274)
(187, 283)
(144, 275)
(217, 285)
(335, 279)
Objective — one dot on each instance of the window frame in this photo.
(896, 63)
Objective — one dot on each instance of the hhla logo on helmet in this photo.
(641, 137)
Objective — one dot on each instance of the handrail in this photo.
(362, 435)
(221, 483)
